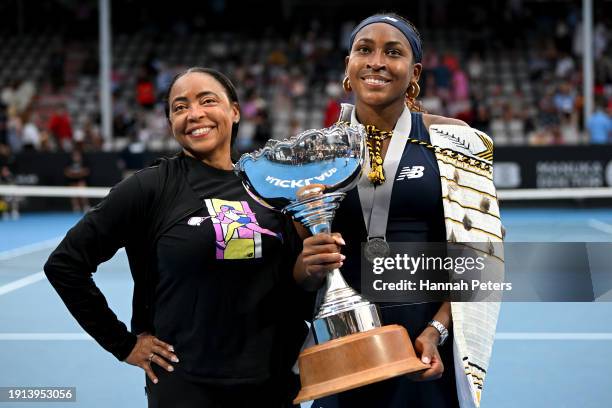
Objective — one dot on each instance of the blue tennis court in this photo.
(547, 354)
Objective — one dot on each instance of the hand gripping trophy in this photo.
(306, 176)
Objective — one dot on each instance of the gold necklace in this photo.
(374, 140)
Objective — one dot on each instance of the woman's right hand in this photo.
(148, 350)
(321, 254)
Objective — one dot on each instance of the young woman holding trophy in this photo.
(418, 186)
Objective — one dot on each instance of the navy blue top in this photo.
(415, 215)
(415, 212)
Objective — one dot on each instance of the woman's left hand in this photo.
(148, 350)
(426, 347)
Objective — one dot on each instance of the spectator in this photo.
(92, 136)
(603, 70)
(14, 130)
(569, 129)
(600, 126)
(9, 205)
(431, 100)
(163, 79)
(18, 95)
(263, 128)
(124, 123)
(538, 65)
(145, 91)
(577, 41)
(440, 72)
(248, 126)
(295, 127)
(47, 144)
(153, 129)
(563, 39)
(499, 132)
(565, 66)
(60, 127)
(481, 118)
(3, 124)
(298, 83)
(475, 67)
(547, 115)
(515, 126)
(461, 88)
(600, 39)
(76, 173)
(30, 133)
(332, 111)
(565, 98)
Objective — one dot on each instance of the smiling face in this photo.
(380, 66)
(201, 117)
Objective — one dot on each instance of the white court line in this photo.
(599, 225)
(28, 280)
(552, 336)
(27, 249)
(499, 336)
(20, 283)
(45, 336)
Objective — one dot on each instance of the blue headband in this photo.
(406, 29)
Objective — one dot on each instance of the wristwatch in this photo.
(441, 329)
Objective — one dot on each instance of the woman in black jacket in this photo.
(217, 316)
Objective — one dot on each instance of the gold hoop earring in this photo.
(413, 90)
(346, 85)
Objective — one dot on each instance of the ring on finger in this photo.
(151, 357)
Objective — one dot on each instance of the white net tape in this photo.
(503, 195)
(53, 191)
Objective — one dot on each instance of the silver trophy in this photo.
(306, 176)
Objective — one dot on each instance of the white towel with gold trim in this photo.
(471, 212)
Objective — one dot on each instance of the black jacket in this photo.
(134, 215)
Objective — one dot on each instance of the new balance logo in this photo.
(410, 173)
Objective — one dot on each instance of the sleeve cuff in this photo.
(123, 349)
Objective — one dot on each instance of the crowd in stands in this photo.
(520, 96)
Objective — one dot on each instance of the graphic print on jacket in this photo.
(237, 232)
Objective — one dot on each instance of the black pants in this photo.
(174, 391)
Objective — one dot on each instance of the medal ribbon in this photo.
(376, 200)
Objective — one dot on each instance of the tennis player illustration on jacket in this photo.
(237, 232)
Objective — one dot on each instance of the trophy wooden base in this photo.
(356, 360)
